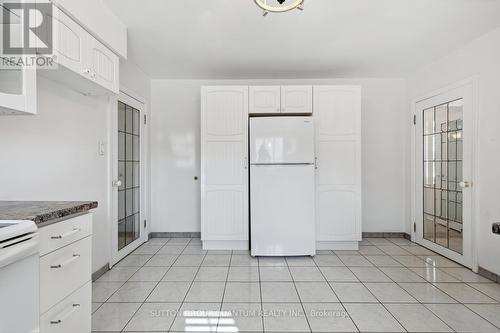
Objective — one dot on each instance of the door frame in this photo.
(472, 83)
(134, 100)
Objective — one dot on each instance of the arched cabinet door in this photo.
(224, 165)
(337, 113)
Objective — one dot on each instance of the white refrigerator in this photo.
(282, 195)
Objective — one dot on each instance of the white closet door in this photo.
(337, 113)
(224, 163)
(297, 99)
(265, 99)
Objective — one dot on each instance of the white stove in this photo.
(19, 277)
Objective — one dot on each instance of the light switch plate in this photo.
(496, 228)
(102, 148)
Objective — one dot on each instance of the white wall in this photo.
(175, 151)
(54, 155)
(480, 58)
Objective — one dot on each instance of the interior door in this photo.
(443, 146)
(297, 99)
(129, 231)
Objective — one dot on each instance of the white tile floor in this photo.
(389, 285)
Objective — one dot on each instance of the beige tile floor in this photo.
(389, 285)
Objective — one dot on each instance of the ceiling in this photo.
(230, 39)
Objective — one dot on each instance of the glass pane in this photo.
(121, 205)
(429, 174)
(441, 118)
(429, 121)
(456, 237)
(121, 175)
(136, 174)
(129, 147)
(429, 201)
(129, 122)
(136, 203)
(137, 226)
(137, 122)
(121, 146)
(130, 230)
(441, 232)
(129, 175)
(429, 227)
(121, 235)
(136, 153)
(129, 198)
(121, 116)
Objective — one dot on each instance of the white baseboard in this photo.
(224, 245)
(339, 246)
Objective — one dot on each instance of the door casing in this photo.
(136, 102)
(467, 89)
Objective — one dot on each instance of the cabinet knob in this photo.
(86, 71)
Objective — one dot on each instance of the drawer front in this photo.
(71, 314)
(57, 235)
(63, 271)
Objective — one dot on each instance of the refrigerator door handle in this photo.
(316, 163)
(245, 162)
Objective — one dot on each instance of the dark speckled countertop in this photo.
(43, 212)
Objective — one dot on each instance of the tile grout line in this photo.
(298, 295)
(373, 293)
(331, 288)
(224, 292)
(418, 302)
(144, 302)
(261, 298)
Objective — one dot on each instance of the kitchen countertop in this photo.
(43, 213)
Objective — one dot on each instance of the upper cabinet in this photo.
(281, 99)
(83, 62)
(297, 99)
(265, 99)
(17, 82)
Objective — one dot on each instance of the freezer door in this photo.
(281, 140)
(282, 210)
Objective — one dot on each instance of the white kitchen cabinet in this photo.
(83, 62)
(17, 83)
(337, 113)
(103, 65)
(224, 167)
(65, 275)
(297, 99)
(265, 99)
(281, 100)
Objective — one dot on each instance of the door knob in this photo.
(117, 183)
(464, 184)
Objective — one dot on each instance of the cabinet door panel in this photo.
(103, 65)
(336, 165)
(68, 41)
(225, 113)
(224, 163)
(224, 214)
(337, 110)
(224, 173)
(296, 99)
(264, 99)
(337, 213)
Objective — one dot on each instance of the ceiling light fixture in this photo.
(279, 6)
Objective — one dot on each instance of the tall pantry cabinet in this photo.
(224, 167)
(225, 171)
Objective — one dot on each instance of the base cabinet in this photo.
(65, 276)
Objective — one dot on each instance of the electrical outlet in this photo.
(496, 228)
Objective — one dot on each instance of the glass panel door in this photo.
(442, 165)
(444, 174)
(129, 166)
